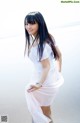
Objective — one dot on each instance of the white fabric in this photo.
(46, 94)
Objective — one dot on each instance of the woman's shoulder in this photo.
(47, 47)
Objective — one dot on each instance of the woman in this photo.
(47, 78)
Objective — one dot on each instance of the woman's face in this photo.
(32, 28)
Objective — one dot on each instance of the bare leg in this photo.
(47, 111)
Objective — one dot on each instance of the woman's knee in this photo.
(46, 110)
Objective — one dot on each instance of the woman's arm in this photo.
(46, 67)
(59, 61)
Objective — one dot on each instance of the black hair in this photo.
(43, 33)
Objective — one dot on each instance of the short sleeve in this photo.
(46, 52)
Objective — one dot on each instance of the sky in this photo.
(56, 14)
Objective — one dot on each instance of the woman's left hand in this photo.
(34, 87)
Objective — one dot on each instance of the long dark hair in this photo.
(43, 33)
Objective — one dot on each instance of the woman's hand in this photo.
(34, 87)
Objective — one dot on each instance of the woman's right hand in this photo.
(34, 87)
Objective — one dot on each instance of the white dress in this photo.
(46, 94)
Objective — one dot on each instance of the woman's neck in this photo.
(35, 40)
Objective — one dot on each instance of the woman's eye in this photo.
(26, 24)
